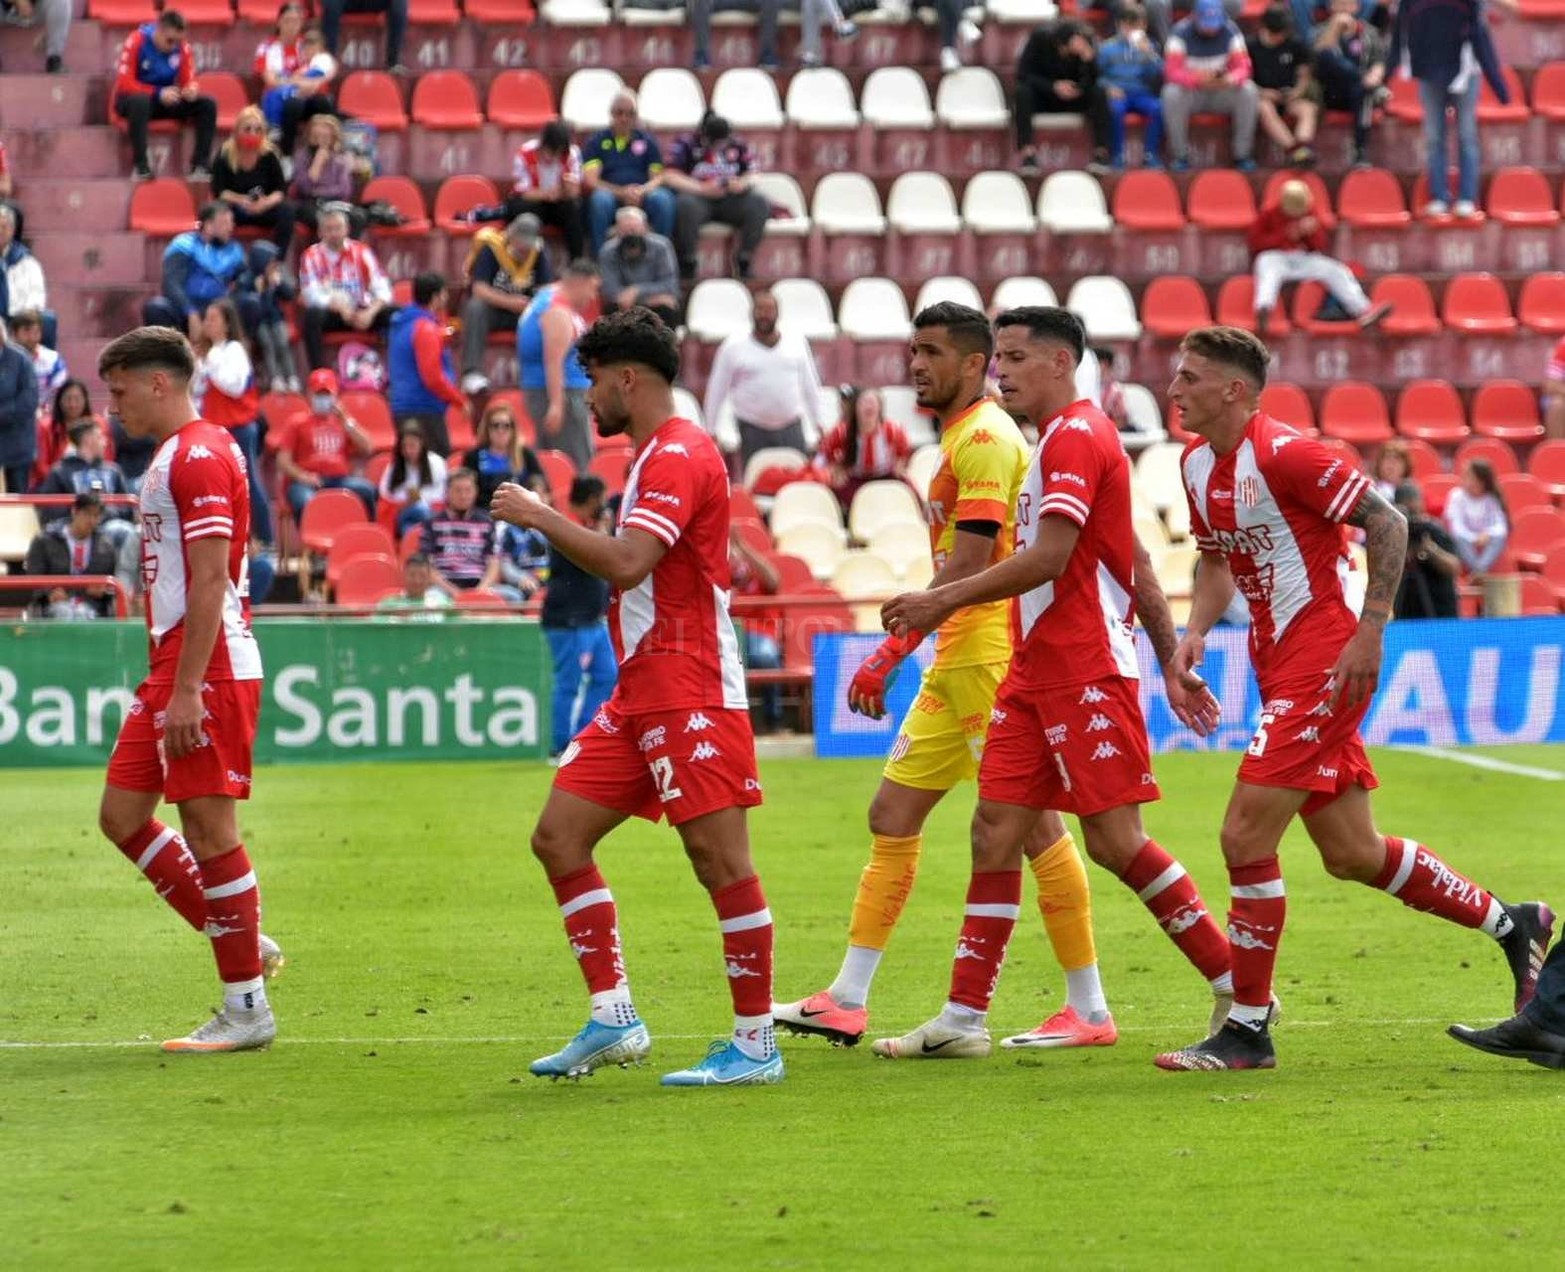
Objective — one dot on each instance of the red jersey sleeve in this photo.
(1314, 476)
(187, 65)
(202, 481)
(1072, 465)
(125, 80)
(1556, 368)
(665, 494)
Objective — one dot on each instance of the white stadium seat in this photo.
(817, 545)
(1013, 293)
(921, 468)
(878, 504)
(972, 98)
(802, 501)
(1146, 418)
(804, 309)
(821, 98)
(770, 457)
(1022, 12)
(901, 545)
(576, 13)
(686, 406)
(718, 308)
(948, 287)
(874, 309)
(783, 191)
(747, 98)
(1158, 475)
(1105, 305)
(895, 97)
(997, 203)
(584, 102)
(671, 100)
(1072, 203)
(922, 203)
(846, 203)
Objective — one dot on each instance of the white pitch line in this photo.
(1486, 762)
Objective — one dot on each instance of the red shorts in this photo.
(220, 765)
(683, 762)
(1301, 745)
(1074, 748)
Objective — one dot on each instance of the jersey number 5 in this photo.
(663, 779)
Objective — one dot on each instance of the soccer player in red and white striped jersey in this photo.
(675, 736)
(190, 731)
(1268, 507)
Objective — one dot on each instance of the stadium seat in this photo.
(1538, 598)
(446, 101)
(772, 457)
(479, 598)
(1412, 305)
(895, 97)
(847, 203)
(327, 513)
(1508, 410)
(863, 576)
(1478, 305)
(1104, 304)
(1547, 464)
(1521, 196)
(902, 546)
(997, 203)
(521, 99)
(1355, 412)
(1147, 199)
(586, 97)
(804, 309)
(947, 287)
(1437, 489)
(971, 98)
(718, 308)
(1431, 411)
(1534, 531)
(1024, 289)
(1541, 305)
(877, 504)
(747, 99)
(793, 573)
(227, 90)
(1174, 305)
(18, 528)
(1494, 451)
(1236, 307)
(671, 100)
(817, 545)
(821, 98)
(162, 208)
(435, 12)
(873, 309)
(1222, 199)
(1548, 92)
(1490, 111)
(277, 409)
(403, 194)
(922, 203)
(782, 191)
(801, 501)
(1290, 404)
(612, 467)
(500, 12)
(365, 579)
(1158, 476)
(802, 623)
(373, 415)
(1522, 491)
(374, 97)
(576, 13)
(1405, 105)
(1324, 211)
(925, 461)
(460, 431)
(458, 195)
(559, 470)
(750, 531)
(358, 539)
(741, 503)
(1072, 203)
(1144, 414)
(1553, 572)
(1372, 199)
(1424, 459)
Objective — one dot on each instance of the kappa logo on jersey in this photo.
(1281, 440)
(1105, 751)
(1076, 425)
(697, 723)
(1092, 694)
(705, 751)
(1310, 734)
(675, 448)
(653, 738)
(981, 437)
(198, 451)
(1099, 722)
(1054, 735)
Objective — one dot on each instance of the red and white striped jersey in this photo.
(1554, 371)
(879, 454)
(277, 58)
(1274, 507)
(353, 272)
(671, 632)
(1076, 629)
(532, 170)
(197, 488)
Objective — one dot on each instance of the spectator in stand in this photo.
(414, 483)
(277, 56)
(709, 171)
(248, 176)
(56, 18)
(156, 79)
(71, 404)
(84, 469)
(1476, 515)
(8, 192)
(74, 545)
(700, 15)
(273, 286)
(1393, 469)
(27, 332)
(127, 569)
(459, 539)
(954, 30)
(1350, 60)
(1057, 74)
(1111, 396)
(751, 574)
(554, 385)
(640, 268)
(226, 395)
(623, 167)
(1289, 244)
(813, 15)
(21, 276)
(396, 12)
(1289, 97)
(419, 593)
(305, 93)
(1446, 44)
(1428, 587)
(317, 446)
(200, 266)
(1160, 15)
(861, 446)
(524, 560)
(500, 454)
(342, 285)
(418, 364)
(1554, 393)
(325, 175)
(18, 412)
(132, 454)
(504, 269)
(773, 381)
(575, 625)
(1206, 70)
(1131, 71)
(546, 182)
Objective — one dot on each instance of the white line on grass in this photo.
(1486, 762)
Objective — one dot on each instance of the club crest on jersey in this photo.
(1249, 491)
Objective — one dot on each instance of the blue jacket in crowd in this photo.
(1130, 69)
(407, 391)
(197, 271)
(18, 408)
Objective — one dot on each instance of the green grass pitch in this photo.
(393, 1125)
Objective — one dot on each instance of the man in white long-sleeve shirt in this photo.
(773, 383)
(342, 285)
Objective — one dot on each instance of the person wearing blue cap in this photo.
(1206, 68)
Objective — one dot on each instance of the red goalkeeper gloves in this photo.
(873, 681)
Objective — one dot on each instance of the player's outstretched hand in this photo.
(182, 723)
(1193, 704)
(913, 612)
(517, 505)
(1357, 674)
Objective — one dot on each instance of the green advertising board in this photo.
(335, 690)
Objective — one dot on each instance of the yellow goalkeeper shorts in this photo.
(942, 735)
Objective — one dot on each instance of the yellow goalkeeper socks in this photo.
(1065, 898)
(883, 891)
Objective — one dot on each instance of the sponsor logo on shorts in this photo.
(1055, 734)
(1105, 751)
(1099, 722)
(972, 723)
(697, 722)
(705, 751)
(1278, 706)
(1148, 780)
(653, 738)
(899, 748)
(604, 723)
(1092, 694)
(237, 779)
(1309, 734)
(928, 704)
(750, 784)
(1320, 709)
(1329, 773)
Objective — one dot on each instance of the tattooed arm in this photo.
(1357, 673)
(1188, 697)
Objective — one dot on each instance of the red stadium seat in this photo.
(1523, 491)
(261, 13)
(480, 598)
(1236, 307)
(412, 541)
(1412, 305)
(1506, 409)
(350, 541)
(327, 513)
(1324, 212)
(1147, 200)
(404, 195)
(1290, 404)
(1547, 464)
(374, 97)
(207, 13)
(121, 12)
(459, 430)
(1521, 196)
(1308, 298)
(1221, 199)
(1355, 412)
(742, 506)
(1478, 305)
(277, 408)
(458, 195)
(1173, 306)
(1538, 597)
(434, 12)
(365, 579)
(1548, 91)
(162, 208)
(520, 99)
(226, 89)
(446, 100)
(613, 466)
(559, 470)
(1490, 111)
(1553, 571)
(1372, 199)
(1437, 489)
(1423, 457)
(793, 573)
(1492, 450)
(1405, 104)
(1431, 411)
(751, 532)
(802, 623)
(1541, 305)
(1534, 531)
(505, 12)
(373, 415)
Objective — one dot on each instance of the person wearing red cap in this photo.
(316, 449)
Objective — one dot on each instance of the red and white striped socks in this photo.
(1165, 889)
(160, 853)
(994, 902)
(1421, 881)
(233, 925)
(1257, 909)
(592, 927)
(746, 924)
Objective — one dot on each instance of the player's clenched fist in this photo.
(517, 505)
(867, 693)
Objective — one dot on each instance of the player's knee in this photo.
(554, 848)
(1233, 839)
(114, 822)
(1349, 862)
(888, 817)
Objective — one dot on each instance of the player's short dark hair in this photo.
(172, 20)
(632, 335)
(427, 286)
(1277, 19)
(211, 211)
(461, 473)
(968, 327)
(588, 486)
(1233, 347)
(581, 267)
(1047, 322)
(149, 349)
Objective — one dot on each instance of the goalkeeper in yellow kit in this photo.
(972, 502)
